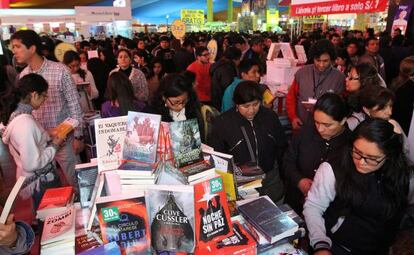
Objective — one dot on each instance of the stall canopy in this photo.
(321, 7)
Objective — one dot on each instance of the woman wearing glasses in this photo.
(326, 135)
(357, 199)
(176, 100)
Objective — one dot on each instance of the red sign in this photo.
(4, 4)
(318, 7)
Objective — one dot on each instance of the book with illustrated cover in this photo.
(186, 142)
(268, 219)
(64, 128)
(140, 144)
(171, 213)
(86, 175)
(123, 219)
(110, 134)
(240, 243)
(111, 248)
(85, 240)
(212, 219)
(59, 227)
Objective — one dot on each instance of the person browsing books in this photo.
(325, 135)
(252, 133)
(16, 237)
(29, 143)
(357, 200)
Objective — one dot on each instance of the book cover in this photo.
(110, 134)
(11, 198)
(86, 175)
(171, 213)
(267, 218)
(140, 144)
(240, 243)
(124, 220)
(111, 248)
(229, 185)
(56, 197)
(59, 227)
(186, 142)
(212, 212)
(64, 128)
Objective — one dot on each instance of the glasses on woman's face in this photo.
(371, 161)
(177, 103)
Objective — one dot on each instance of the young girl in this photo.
(357, 200)
(30, 145)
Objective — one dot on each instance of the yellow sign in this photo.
(192, 17)
(178, 29)
(272, 16)
(61, 49)
(314, 19)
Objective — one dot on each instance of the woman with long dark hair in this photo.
(154, 77)
(121, 97)
(357, 199)
(100, 74)
(30, 144)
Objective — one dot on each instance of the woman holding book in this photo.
(29, 143)
(325, 135)
(252, 134)
(358, 198)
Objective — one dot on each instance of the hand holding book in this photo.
(8, 233)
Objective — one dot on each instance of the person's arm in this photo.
(93, 92)
(321, 194)
(15, 237)
(291, 105)
(290, 166)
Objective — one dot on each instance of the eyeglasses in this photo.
(370, 161)
(178, 103)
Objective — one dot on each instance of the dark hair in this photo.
(188, 42)
(84, 44)
(156, 60)
(394, 174)
(109, 58)
(71, 56)
(321, 47)
(398, 40)
(334, 35)
(332, 105)
(368, 75)
(100, 74)
(120, 89)
(232, 53)
(245, 66)
(27, 84)
(124, 50)
(370, 39)
(29, 38)
(372, 96)
(199, 50)
(247, 91)
(256, 40)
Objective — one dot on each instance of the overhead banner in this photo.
(102, 13)
(401, 17)
(322, 7)
(192, 17)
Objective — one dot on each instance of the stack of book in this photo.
(248, 190)
(58, 236)
(55, 200)
(125, 181)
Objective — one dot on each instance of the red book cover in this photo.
(240, 243)
(125, 221)
(56, 197)
(212, 219)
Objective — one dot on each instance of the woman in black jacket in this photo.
(317, 141)
(263, 131)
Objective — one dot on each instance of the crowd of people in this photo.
(346, 168)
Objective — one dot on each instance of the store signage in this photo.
(4, 4)
(37, 19)
(321, 7)
(192, 17)
(272, 16)
(102, 13)
(401, 17)
(314, 19)
(178, 29)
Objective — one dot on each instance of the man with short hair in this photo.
(373, 57)
(223, 73)
(352, 49)
(166, 54)
(335, 40)
(312, 81)
(201, 69)
(249, 70)
(63, 100)
(256, 53)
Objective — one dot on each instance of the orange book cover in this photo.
(56, 197)
(64, 128)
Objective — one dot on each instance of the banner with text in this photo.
(321, 7)
(192, 17)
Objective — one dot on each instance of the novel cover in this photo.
(86, 178)
(59, 226)
(110, 134)
(171, 212)
(186, 142)
(140, 144)
(212, 212)
(125, 222)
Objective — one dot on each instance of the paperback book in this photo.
(86, 175)
(140, 144)
(54, 200)
(11, 198)
(124, 219)
(171, 213)
(110, 134)
(59, 230)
